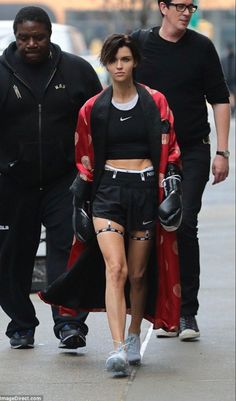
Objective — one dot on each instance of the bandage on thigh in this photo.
(109, 228)
(146, 237)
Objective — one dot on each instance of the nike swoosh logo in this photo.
(125, 118)
(146, 222)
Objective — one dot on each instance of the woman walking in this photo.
(125, 147)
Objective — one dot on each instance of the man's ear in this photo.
(163, 7)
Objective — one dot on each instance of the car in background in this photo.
(6, 28)
(101, 71)
(67, 37)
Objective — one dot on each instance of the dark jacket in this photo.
(37, 124)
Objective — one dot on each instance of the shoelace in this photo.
(189, 322)
(131, 340)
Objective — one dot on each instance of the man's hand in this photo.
(220, 169)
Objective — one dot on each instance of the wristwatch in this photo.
(224, 153)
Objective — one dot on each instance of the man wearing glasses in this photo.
(184, 65)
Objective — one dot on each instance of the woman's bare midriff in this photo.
(130, 164)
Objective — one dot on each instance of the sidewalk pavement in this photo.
(171, 370)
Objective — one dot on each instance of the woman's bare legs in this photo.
(113, 250)
(112, 247)
(138, 256)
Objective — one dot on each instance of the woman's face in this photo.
(121, 68)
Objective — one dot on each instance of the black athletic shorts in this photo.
(129, 199)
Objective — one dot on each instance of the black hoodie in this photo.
(39, 107)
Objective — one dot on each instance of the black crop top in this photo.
(127, 134)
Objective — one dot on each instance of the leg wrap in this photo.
(109, 228)
(148, 235)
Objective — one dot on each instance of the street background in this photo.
(171, 370)
(98, 18)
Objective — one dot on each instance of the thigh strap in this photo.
(109, 228)
(148, 235)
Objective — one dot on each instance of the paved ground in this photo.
(171, 370)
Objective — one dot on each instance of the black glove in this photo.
(81, 190)
(170, 210)
(81, 219)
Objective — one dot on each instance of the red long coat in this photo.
(85, 271)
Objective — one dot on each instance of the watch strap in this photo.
(224, 153)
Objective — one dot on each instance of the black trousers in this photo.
(196, 168)
(22, 211)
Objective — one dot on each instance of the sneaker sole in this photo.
(135, 362)
(22, 346)
(161, 333)
(189, 335)
(72, 342)
(117, 366)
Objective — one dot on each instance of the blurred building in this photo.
(221, 16)
(98, 18)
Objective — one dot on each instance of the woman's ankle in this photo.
(118, 344)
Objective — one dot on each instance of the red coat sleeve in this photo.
(169, 141)
(84, 154)
(170, 152)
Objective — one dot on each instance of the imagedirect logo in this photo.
(21, 397)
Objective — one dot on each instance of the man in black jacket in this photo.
(184, 65)
(42, 91)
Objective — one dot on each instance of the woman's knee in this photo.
(137, 279)
(116, 272)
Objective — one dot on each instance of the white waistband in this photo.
(122, 170)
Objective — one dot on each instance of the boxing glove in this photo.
(81, 221)
(171, 209)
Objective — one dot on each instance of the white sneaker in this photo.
(164, 333)
(133, 349)
(118, 362)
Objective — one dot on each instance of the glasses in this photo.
(182, 7)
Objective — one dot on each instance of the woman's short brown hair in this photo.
(113, 43)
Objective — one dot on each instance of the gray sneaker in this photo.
(118, 362)
(133, 349)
